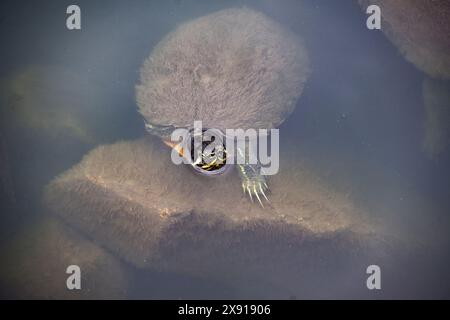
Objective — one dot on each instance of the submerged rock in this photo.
(49, 102)
(50, 116)
(420, 30)
(131, 199)
(34, 264)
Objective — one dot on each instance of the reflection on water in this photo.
(365, 153)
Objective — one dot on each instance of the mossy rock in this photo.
(133, 200)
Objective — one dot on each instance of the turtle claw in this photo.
(249, 192)
(254, 183)
(256, 188)
(262, 191)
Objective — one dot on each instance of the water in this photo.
(357, 127)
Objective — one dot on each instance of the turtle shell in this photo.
(233, 69)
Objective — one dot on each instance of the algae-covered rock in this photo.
(50, 102)
(132, 199)
(50, 116)
(35, 260)
(420, 30)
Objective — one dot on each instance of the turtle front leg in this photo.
(253, 182)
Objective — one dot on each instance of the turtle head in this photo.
(205, 149)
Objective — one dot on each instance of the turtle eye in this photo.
(208, 152)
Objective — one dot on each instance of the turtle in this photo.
(231, 69)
